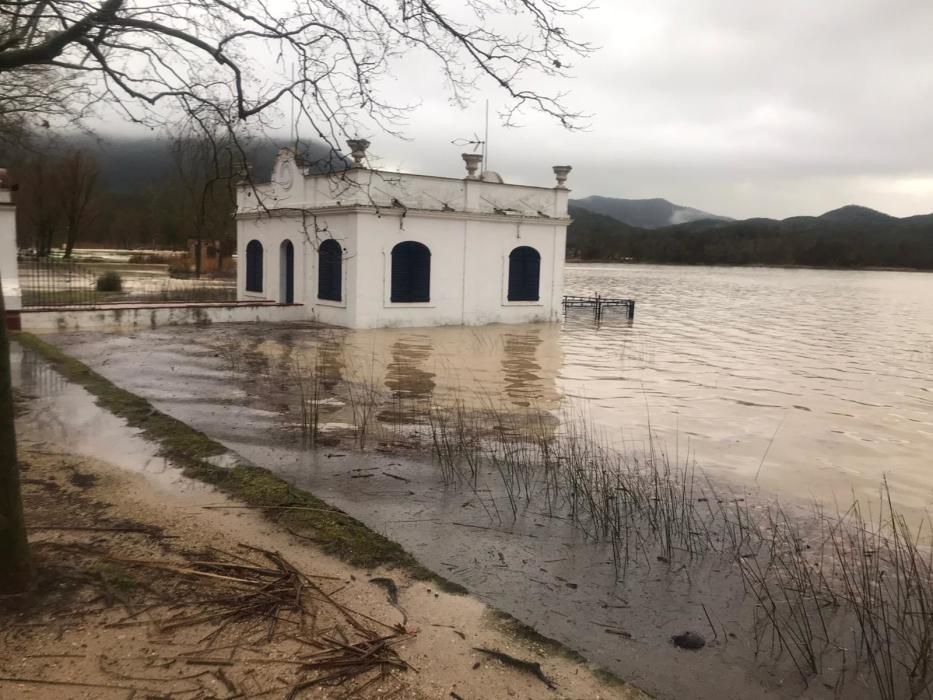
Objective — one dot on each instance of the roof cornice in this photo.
(284, 212)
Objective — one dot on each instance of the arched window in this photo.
(254, 266)
(524, 274)
(329, 270)
(287, 272)
(411, 272)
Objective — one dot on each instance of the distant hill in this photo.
(851, 236)
(858, 216)
(644, 213)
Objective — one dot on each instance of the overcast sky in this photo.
(738, 107)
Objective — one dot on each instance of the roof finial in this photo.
(358, 151)
(472, 161)
(562, 171)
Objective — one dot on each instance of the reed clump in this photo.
(311, 393)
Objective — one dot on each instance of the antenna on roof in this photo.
(477, 142)
(293, 128)
(486, 141)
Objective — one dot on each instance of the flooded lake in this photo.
(836, 367)
(813, 383)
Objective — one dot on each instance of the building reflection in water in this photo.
(521, 368)
(511, 367)
(330, 361)
(515, 365)
(406, 375)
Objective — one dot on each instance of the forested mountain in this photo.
(848, 237)
(644, 213)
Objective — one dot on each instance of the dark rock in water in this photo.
(688, 640)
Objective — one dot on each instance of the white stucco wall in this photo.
(9, 274)
(272, 233)
(130, 318)
(469, 271)
(470, 226)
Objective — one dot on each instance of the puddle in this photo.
(64, 414)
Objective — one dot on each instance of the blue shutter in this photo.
(524, 274)
(330, 272)
(254, 266)
(411, 273)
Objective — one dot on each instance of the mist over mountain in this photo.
(644, 213)
(130, 165)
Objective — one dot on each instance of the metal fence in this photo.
(56, 282)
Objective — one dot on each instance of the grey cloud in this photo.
(742, 108)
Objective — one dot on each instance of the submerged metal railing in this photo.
(598, 303)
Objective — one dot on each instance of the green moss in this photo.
(303, 513)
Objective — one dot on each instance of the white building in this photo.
(369, 248)
(9, 272)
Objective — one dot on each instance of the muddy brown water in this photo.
(830, 369)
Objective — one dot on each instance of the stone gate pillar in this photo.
(9, 273)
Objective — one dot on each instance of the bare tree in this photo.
(32, 96)
(207, 166)
(241, 58)
(39, 206)
(77, 177)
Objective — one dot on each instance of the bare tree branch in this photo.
(241, 59)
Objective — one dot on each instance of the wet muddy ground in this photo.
(531, 564)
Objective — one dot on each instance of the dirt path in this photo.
(172, 590)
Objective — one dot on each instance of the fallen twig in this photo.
(204, 661)
(153, 532)
(74, 684)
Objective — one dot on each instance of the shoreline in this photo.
(581, 261)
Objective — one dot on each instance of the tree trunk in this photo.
(46, 239)
(70, 239)
(15, 562)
